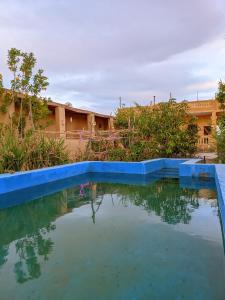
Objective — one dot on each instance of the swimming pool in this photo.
(110, 236)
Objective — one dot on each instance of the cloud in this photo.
(95, 51)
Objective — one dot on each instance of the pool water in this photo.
(102, 240)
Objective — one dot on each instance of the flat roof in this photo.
(77, 110)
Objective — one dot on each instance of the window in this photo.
(207, 130)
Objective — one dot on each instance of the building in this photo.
(70, 122)
(75, 125)
(207, 113)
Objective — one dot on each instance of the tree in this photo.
(220, 134)
(163, 130)
(26, 87)
(220, 96)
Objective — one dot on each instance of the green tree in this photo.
(220, 96)
(25, 90)
(220, 134)
(21, 148)
(163, 130)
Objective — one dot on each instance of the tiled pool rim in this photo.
(185, 167)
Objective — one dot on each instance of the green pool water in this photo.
(114, 241)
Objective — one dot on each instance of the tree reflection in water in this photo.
(164, 198)
(28, 227)
(29, 250)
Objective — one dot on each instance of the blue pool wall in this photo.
(220, 186)
(187, 168)
(21, 180)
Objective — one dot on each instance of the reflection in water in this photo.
(165, 200)
(26, 229)
(28, 250)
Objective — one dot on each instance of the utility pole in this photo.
(120, 102)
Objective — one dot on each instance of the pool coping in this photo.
(186, 168)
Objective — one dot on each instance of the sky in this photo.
(95, 51)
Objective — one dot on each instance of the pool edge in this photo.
(186, 168)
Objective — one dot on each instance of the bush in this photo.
(163, 130)
(31, 152)
(117, 154)
(220, 138)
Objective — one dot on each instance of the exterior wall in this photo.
(52, 121)
(5, 117)
(75, 147)
(101, 123)
(207, 113)
(76, 121)
(64, 119)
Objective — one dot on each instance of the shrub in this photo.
(31, 152)
(117, 154)
(220, 138)
(163, 130)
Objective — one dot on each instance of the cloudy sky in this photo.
(94, 51)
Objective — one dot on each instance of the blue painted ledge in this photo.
(187, 168)
(21, 180)
(220, 186)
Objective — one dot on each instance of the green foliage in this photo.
(12, 152)
(125, 118)
(45, 152)
(171, 204)
(164, 130)
(23, 149)
(220, 134)
(1, 84)
(220, 138)
(221, 146)
(26, 87)
(32, 152)
(220, 96)
(6, 101)
(117, 154)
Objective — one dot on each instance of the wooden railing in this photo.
(78, 134)
(48, 133)
(89, 135)
(81, 134)
(85, 135)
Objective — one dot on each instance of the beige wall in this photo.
(206, 141)
(75, 147)
(101, 123)
(76, 121)
(51, 118)
(5, 117)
